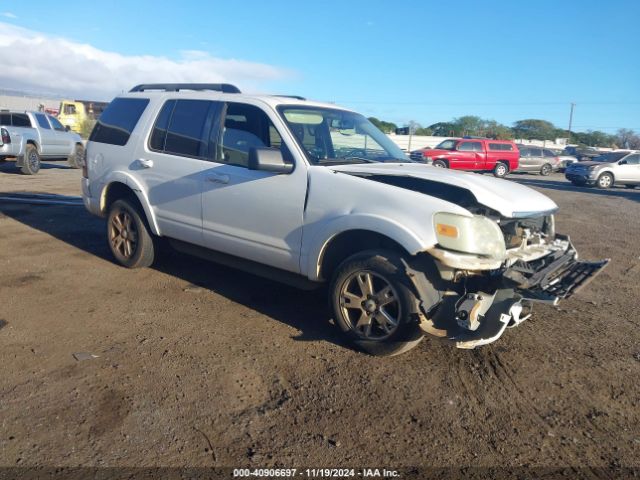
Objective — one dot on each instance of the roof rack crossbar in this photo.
(176, 87)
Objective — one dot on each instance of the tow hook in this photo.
(471, 308)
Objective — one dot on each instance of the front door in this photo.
(630, 170)
(62, 140)
(47, 133)
(252, 214)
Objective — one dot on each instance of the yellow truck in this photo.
(73, 113)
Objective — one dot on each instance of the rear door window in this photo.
(20, 120)
(183, 128)
(116, 123)
(503, 147)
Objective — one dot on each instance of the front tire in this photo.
(77, 158)
(605, 180)
(128, 236)
(374, 305)
(500, 170)
(31, 162)
(439, 163)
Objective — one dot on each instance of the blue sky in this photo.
(398, 61)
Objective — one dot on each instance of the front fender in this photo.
(410, 240)
(133, 184)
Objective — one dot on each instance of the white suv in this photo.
(309, 193)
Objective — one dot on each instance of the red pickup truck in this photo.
(484, 155)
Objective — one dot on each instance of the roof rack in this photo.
(297, 97)
(176, 87)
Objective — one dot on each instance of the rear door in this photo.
(171, 164)
(536, 159)
(18, 123)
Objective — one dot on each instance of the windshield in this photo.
(447, 145)
(610, 157)
(330, 137)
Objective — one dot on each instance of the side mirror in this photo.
(268, 160)
(67, 128)
(622, 162)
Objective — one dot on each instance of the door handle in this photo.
(145, 163)
(218, 178)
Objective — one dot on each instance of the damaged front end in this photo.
(476, 297)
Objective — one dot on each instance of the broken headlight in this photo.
(476, 235)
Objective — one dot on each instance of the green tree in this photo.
(469, 125)
(534, 129)
(626, 138)
(495, 130)
(444, 129)
(386, 127)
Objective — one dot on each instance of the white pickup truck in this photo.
(31, 136)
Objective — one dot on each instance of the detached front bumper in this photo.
(475, 308)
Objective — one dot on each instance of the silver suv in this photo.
(607, 170)
(311, 194)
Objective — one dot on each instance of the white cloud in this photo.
(9, 15)
(39, 62)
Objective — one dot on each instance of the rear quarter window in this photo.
(116, 123)
(501, 147)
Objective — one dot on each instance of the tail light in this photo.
(557, 160)
(6, 138)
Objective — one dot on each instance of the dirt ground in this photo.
(201, 365)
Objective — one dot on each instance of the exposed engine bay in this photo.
(473, 306)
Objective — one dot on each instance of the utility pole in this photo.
(571, 116)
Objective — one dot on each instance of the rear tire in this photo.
(373, 303)
(439, 164)
(545, 170)
(76, 160)
(128, 236)
(31, 161)
(605, 180)
(500, 170)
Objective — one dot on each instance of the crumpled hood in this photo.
(509, 198)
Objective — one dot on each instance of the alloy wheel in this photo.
(123, 234)
(605, 181)
(370, 305)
